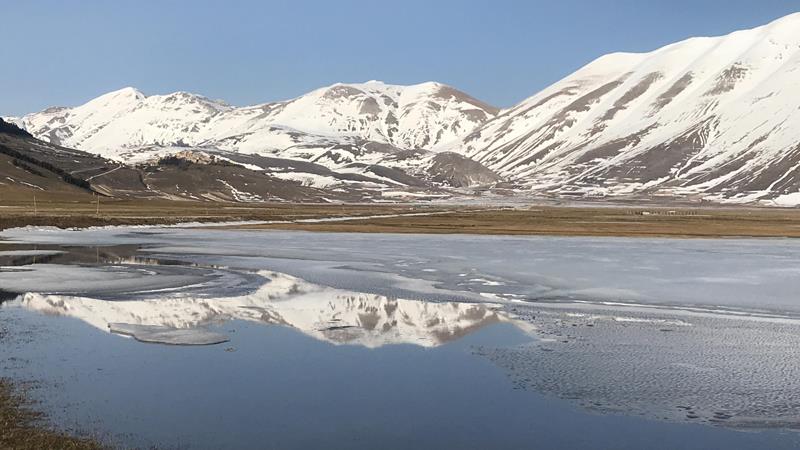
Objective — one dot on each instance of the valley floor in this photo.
(72, 214)
(579, 220)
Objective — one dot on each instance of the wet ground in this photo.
(403, 341)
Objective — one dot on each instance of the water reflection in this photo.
(328, 314)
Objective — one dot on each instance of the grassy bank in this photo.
(20, 428)
(581, 221)
(80, 214)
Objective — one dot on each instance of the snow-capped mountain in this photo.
(711, 117)
(423, 116)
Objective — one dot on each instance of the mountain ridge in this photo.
(408, 117)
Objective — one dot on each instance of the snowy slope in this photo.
(13, 120)
(715, 118)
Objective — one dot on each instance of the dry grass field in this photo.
(68, 211)
(581, 221)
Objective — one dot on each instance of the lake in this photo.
(398, 341)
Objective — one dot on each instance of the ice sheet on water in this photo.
(724, 370)
(733, 273)
(121, 281)
(29, 252)
(115, 280)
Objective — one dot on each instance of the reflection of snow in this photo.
(333, 315)
(159, 334)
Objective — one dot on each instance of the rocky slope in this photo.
(30, 167)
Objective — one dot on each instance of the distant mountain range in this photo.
(360, 142)
(114, 125)
(714, 119)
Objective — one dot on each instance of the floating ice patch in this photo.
(117, 280)
(30, 252)
(652, 271)
(157, 334)
(486, 282)
(679, 323)
(717, 370)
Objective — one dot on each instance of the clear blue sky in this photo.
(246, 52)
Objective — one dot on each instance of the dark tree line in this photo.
(65, 176)
(25, 162)
(27, 168)
(10, 128)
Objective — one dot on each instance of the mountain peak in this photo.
(128, 91)
(432, 84)
(111, 103)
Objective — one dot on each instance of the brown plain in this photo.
(611, 220)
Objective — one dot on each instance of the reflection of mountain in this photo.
(332, 315)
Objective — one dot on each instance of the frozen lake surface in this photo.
(397, 341)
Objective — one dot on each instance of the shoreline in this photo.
(22, 427)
